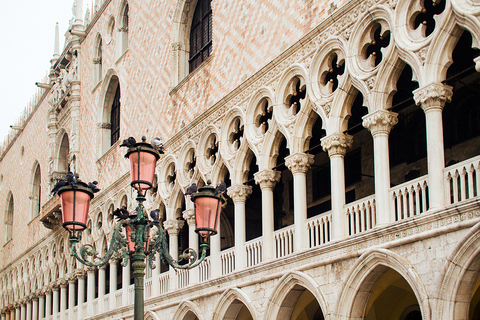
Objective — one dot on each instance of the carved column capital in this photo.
(267, 179)
(46, 289)
(53, 286)
(79, 273)
(380, 122)
(299, 162)
(173, 226)
(433, 96)
(91, 269)
(189, 216)
(239, 192)
(62, 282)
(337, 143)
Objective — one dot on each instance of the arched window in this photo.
(97, 60)
(62, 158)
(9, 218)
(201, 34)
(123, 30)
(36, 192)
(115, 118)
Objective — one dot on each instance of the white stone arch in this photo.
(439, 56)
(271, 146)
(187, 310)
(228, 150)
(35, 190)
(9, 216)
(123, 25)
(230, 303)
(180, 48)
(207, 138)
(252, 133)
(461, 270)
(97, 59)
(62, 159)
(364, 275)
(285, 288)
(105, 100)
(239, 174)
(334, 46)
(151, 315)
(166, 166)
(184, 177)
(120, 198)
(174, 208)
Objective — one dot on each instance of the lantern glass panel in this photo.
(131, 244)
(207, 210)
(142, 168)
(75, 206)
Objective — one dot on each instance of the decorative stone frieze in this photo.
(336, 144)
(380, 122)
(173, 226)
(433, 96)
(299, 162)
(239, 192)
(189, 216)
(267, 179)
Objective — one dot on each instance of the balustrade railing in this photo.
(319, 229)
(228, 260)
(361, 215)
(462, 180)
(204, 270)
(148, 288)
(131, 294)
(284, 241)
(163, 280)
(254, 251)
(182, 278)
(410, 198)
(118, 298)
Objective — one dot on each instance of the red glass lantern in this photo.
(208, 206)
(131, 244)
(75, 203)
(143, 159)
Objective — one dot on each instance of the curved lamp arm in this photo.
(159, 244)
(117, 243)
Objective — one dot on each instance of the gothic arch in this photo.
(288, 287)
(367, 271)
(123, 24)
(231, 302)
(187, 310)
(35, 191)
(460, 273)
(63, 153)
(151, 315)
(97, 59)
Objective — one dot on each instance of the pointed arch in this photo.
(9, 217)
(108, 113)
(187, 310)
(97, 59)
(231, 302)
(364, 275)
(123, 23)
(36, 190)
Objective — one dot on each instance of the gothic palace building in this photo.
(347, 132)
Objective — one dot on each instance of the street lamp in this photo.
(133, 243)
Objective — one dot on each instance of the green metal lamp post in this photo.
(133, 243)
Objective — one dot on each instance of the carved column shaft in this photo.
(432, 99)
(299, 164)
(113, 282)
(267, 180)
(336, 145)
(379, 123)
(173, 226)
(239, 195)
(189, 216)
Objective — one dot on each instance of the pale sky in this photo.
(26, 47)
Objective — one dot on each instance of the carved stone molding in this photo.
(173, 226)
(189, 216)
(299, 162)
(62, 282)
(80, 273)
(336, 144)
(91, 269)
(267, 179)
(239, 192)
(433, 96)
(380, 122)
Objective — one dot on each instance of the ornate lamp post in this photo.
(133, 243)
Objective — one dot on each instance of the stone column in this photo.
(17, 313)
(56, 293)
(336, 145)
(22, 310)
(189, 216)
(267, 179)
(34, 314)
(62, 283)
(101, 289)
(379, 123)
(71, 294)
(299, 164)
(28, 315)
(239, 194)
(48, 301)
(90, 290)
(80, 273)
(432, 99)
(41, 304)
(125, 282)
(173, 226)
(113, 283)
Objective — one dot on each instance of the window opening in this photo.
(115, 118)
(201, 34)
